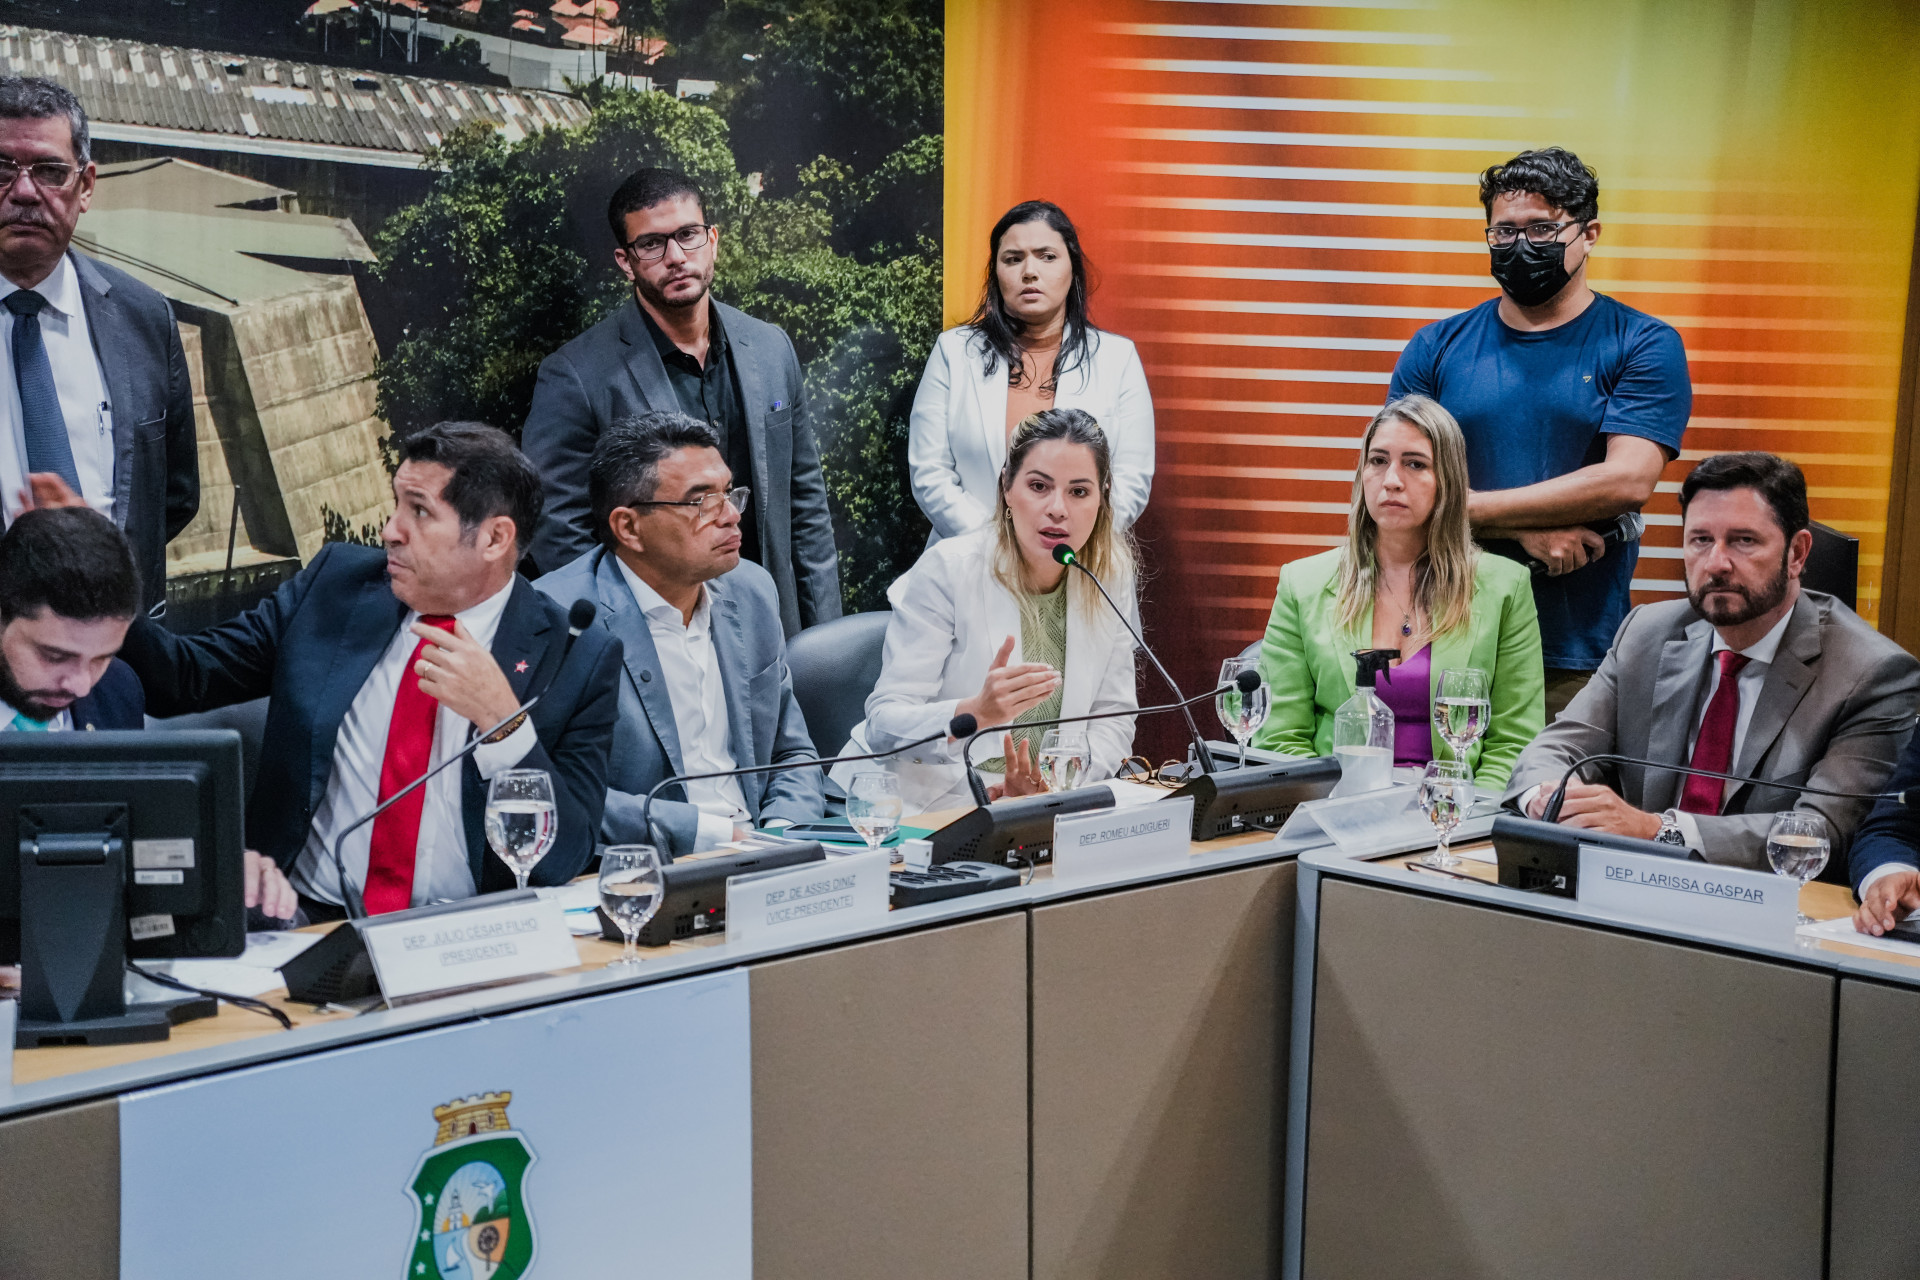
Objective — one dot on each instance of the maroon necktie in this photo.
(1713, 749)
(396, 833)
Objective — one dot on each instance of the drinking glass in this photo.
(521, 819)
(1241, 714)
(1063, 758)
(1446, 793)
(1462, 705)
(1797, 846)
(874, 806)
(630, 892)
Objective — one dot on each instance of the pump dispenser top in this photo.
(1363, 729)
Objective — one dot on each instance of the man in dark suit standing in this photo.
(382, 665)
(677, 349)
(95, 387)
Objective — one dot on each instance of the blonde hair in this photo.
(1108, 551)
(1443, 575)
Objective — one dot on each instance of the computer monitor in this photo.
(115, 846)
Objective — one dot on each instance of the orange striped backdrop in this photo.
(1278, 195)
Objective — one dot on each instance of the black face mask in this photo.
(1531, 273)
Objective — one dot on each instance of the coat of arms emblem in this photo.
(469, 1188)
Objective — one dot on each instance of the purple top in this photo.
(1406, 689)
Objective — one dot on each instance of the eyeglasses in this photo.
(708, 505)
(48, 175)
(1536, 232)
(654, 248)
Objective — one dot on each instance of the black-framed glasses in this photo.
(708, 505)
(653, 248)
(1536, 232)
(49, 175)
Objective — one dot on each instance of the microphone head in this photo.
(962, 726)
(1248, 680)
(1063, 554)
(580, 616)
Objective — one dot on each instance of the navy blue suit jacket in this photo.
(116, 702)
(1891, 832)
(311, 646)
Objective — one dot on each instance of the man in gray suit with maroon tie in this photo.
(1749, 675)
(95, 399)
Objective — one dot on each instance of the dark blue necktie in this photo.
(41, 422)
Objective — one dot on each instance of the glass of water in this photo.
(630, 892)
(1241, 714)
(1446, 793)
(1462, 705)
(874, 806)
(521, 819)
(1798, 846)
(1063, 758)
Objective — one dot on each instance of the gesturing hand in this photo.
(1889, 899)
(459, 673)
(1562, 550)
(1023, 775)
(267, 888)
(46, 489)
(1009, 690)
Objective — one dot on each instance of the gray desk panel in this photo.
(1159, 1018)
(60, 1185)
(1495, 1094)
(1876, 1133)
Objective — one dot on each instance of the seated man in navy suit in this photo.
(68, 593)
(382, 664)
(1884, 862)
(706, 686)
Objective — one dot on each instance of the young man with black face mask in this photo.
(1572, 404)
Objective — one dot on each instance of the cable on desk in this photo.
(238, 1002)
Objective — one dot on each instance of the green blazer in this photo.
(1308, 661)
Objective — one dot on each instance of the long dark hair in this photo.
(998, 332)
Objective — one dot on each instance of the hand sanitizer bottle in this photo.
(1363, 729)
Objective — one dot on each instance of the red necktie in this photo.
(396, 833)
(1713, 749)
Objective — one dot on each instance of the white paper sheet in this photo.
(1840, 929)
(253, 973)
(580, 901)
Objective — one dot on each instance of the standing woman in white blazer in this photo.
(989, 624)
(1029, 347)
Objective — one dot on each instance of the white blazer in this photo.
(950, 617)
(958, 439)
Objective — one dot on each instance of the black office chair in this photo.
(1833, 566)
(249, 719)
(835, 666)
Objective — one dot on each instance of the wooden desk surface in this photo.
(232, 1024)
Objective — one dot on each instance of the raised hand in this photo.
(1009, 690)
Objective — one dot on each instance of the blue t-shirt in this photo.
(1537, 405)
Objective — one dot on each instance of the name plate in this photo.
(1729, 900)
(811, 899)
(482, 944)
(1098, 846)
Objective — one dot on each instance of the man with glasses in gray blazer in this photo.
(707, 687)
(94, 399)
(676, 348)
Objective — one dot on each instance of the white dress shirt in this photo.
(1759, 657)
(82, 388)
(691, 669)
(440, 868)
(58, 724)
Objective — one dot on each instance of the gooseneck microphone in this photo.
(1552, 812)
(1065, 555)
(961, 726)
(579, 618)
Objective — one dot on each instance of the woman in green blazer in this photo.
(1408, 578)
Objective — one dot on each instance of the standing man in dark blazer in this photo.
(381, 665)
(676, 348)
(95, 386)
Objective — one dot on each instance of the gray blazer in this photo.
(763, 718)
(613, 370)
(156, 460)
(1835, 711)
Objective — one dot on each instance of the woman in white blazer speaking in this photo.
(989, 624)
(1029, 347)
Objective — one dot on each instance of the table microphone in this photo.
(579, 618)
(1064, 554)
(1552, 812)
(1246, 682)
(961, 726)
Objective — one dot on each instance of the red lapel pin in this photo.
(520, 667)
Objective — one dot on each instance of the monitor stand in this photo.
(73, 931)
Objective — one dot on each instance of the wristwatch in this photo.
(1670, 832)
